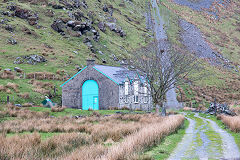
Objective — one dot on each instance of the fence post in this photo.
(54, 91)
(8, 99)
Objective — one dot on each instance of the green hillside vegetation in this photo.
(60, 51)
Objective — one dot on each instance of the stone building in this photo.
(102, 87)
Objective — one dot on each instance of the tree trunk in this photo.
(157, 109)
(163, 109)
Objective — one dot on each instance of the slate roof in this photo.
(118, 74)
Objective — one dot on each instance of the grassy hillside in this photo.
(222, 34)
(66, 52)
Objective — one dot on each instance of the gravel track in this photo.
(201, 141)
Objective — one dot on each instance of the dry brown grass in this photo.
(138, 141)
(189, 109)
(236, 110)
(13, 111)
(95, 137)
(233, 123)
(32, 147)
(41, 87)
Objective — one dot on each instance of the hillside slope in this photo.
(209, 29)
(65, 34)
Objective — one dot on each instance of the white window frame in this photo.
(126, 88)
(136, 99)
(126, 98)
(136, 88)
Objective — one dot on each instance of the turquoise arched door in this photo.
(90, 95)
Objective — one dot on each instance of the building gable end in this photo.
(73, 77)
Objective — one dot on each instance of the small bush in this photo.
(58, 109)
(125, 108)
(96, 114)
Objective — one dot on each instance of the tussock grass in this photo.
(147, 136)
(32, 147)
(118, 136)
(233, 123)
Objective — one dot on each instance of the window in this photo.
(135, 99)
(126, 88)
(145, 91)
(145, 99)
(135, 85)
(126, 99)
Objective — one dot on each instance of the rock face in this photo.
(30, 59)
(220, 109)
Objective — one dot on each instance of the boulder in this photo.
(101, 26)
(78, 15)
(57, 6)
(22, 13)
(112, 26)
(7, 70)
(19, 60)
(9, 28)
(58, 26)
(105, 8)
(71, 24)
(32, 20)
(78, 27)
(17, 69)
(12, 41)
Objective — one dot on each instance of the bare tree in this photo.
(163, 66)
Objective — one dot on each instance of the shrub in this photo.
(24, 95)
(58, 109)
(125, 108)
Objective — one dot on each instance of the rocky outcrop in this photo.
(58, 26)
(31, 17)
(219, 109)
(117, 29)
(30, 59)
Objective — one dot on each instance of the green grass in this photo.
(76, 112)
(167, 145)
(43, 135)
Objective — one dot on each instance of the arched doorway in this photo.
(90, 95)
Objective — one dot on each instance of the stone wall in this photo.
(108, 90)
